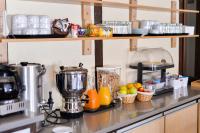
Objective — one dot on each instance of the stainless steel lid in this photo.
(73, 70)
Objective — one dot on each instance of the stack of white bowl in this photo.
(31, 25)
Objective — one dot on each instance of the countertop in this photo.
(127, 114)
(18, 120)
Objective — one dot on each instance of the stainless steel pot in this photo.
(31, 77)
(72, 81)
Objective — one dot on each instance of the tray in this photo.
(152, 67)
(114, 104)
(126, 35)
(150, 34)
(35, 36)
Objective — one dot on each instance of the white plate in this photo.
(62, 129)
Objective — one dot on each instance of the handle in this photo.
(129, 128)
(42, 71)
(59, 83)
(179, 108)
(18, 80)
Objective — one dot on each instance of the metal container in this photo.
(31, 77)
(72, 81)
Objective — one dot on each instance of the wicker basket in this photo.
(144, 96)
(129, 98)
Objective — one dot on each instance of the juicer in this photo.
(71, 83)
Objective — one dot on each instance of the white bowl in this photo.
(62, 129)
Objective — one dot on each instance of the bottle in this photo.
(105, 97)
(93, 103)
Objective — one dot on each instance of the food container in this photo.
(93, 30)
(112, 75)
(82, 32)
(189, 30)
(144, 96)
(105, 31)
(129, 98)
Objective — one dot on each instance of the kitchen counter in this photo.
(127, 114)
(19, 120)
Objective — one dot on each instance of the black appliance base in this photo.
(67, 115)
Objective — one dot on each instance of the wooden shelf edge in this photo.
(111, 3)
(4, 40)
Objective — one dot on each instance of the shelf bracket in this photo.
(86, 19)
(132, 18)
(3, 46)
(173, 21)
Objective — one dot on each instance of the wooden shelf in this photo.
(111, 3)
(5, 40)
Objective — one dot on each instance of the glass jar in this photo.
(112, 75)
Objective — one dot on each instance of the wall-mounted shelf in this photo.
(5, 40)
(133, 6)
(112, 3)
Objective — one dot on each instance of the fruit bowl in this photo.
(127, 98)
(145, 96)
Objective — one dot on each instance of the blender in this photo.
(71, 83)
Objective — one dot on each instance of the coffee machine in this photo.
(10, 91)
(71, 83)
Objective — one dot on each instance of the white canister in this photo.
(30, 31)
(189, 30)
(33, 21)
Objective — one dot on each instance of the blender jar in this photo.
(112, 75)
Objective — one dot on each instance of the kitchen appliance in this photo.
(153, 60)
(71, 83)
(31, 77)
(10, 91)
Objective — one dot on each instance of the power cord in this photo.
(51, 115)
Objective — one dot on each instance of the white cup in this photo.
(17, 31)
(44, 31)
(33, 21)
(45, 19)
(30, 31)
(17, 19)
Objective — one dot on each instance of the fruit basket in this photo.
(127, 98)
(144, 96)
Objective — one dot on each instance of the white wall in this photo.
(54, 54)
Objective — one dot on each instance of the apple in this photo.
(141, 89)
(123, 91)
(123, 88)
(132, 90)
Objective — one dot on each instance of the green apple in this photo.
(132, 90)
(123, 91)
(123, 88)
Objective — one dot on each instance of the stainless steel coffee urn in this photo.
(71, 83)
(31, 78)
